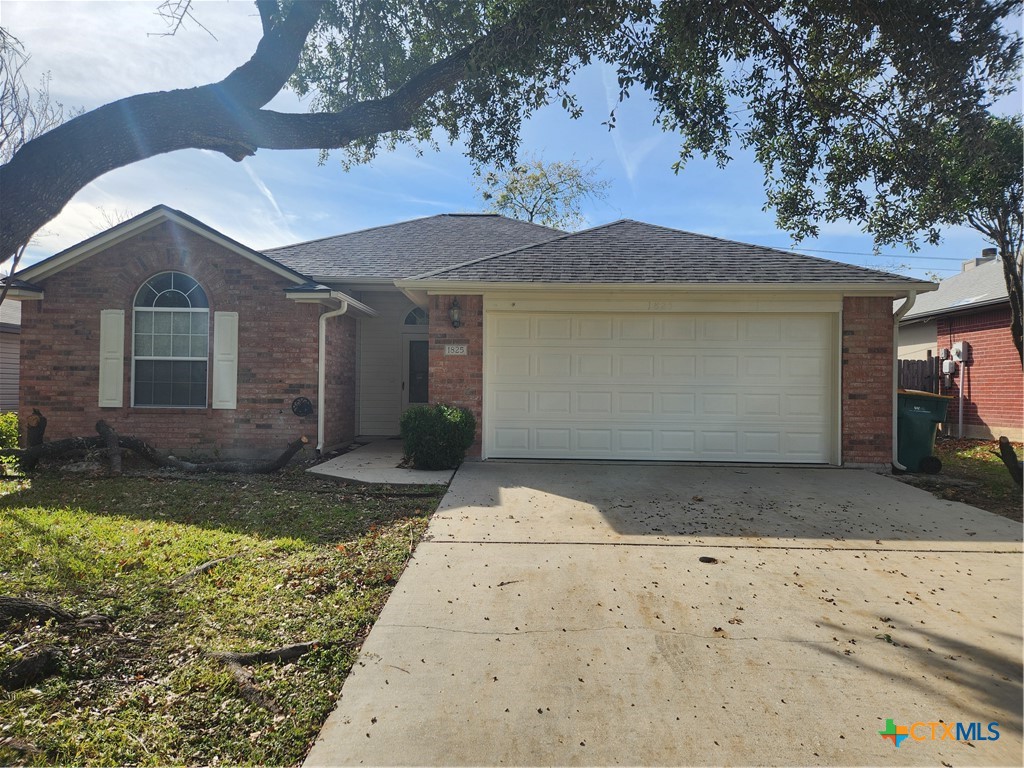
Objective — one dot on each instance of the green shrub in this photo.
(437, 436)
(9, 437)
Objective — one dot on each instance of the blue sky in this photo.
(100, 51)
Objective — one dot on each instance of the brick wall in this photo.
(277, 358)
(867, 382)
(458, 379)
(340, 416)
(993, 382)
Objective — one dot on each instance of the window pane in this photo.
(162, 322)
(144, 371)
(143, 344)
(197, 373)
(143, 322)
(200, 322)
(182, 282)
(162, 282)
(161, 394)
(143, 392)
(162, 370)
(180, 322)
(198, 395)
(145, 296)
(197, 298)
(180, 393)
(199, 346)
(180, 346)
(162, 345)
(171, 299)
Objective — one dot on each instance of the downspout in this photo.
(904, 308)
(321, 397)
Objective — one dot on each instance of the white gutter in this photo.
(321, 396)
(904, 308)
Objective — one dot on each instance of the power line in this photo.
(879, 255)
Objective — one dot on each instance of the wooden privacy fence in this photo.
(920, 374)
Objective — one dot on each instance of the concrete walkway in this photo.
(377, 462)
(570, 614)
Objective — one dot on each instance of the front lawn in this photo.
(972, 474)
(306, 561)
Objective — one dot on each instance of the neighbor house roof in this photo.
(410, 247)
(630, 251)
(980, 286)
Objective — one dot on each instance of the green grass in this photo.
(991, 486)
(310, 561)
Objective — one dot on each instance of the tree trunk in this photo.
(13, 608)
(1009, 457)
(113, 448)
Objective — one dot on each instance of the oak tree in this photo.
(827, 93)
(548, 193)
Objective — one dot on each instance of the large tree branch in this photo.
(224, 117)
(47, 172)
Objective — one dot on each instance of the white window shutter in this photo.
(225, 360)
(111, 393)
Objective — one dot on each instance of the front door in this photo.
(415, 371)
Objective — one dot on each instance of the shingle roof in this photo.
(630, 251)
(979, 286)
(410, 247)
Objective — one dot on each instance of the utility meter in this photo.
(949, 367)
(960, 350)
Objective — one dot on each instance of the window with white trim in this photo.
(171, 343)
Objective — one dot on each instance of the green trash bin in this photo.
(918, 415)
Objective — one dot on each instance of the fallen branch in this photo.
(13, 608)
(1009, 456)
(31, 669)
(275, 656)
(236, 664)
(106, 441)
(200, 569)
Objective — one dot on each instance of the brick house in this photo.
(625, 341)
(972, 307)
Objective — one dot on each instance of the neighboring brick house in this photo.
(625, 341)
(972, 307)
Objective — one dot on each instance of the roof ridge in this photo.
(357, 231)
(510, 251)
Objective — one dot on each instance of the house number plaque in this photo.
(455, 349)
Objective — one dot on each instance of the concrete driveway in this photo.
(561, 614)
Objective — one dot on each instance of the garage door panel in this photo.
(682, 387)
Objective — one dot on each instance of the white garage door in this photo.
(700, 387)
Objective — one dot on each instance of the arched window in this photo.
(416, 317)
(171, 342)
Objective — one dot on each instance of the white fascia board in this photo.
(465, 288)
(20, 294)
(333, 299)
(84, 250)
(116, 235)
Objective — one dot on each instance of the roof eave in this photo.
(141, 223)
(894, 290)
(961, 308)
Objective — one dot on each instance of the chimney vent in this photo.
(987, 255)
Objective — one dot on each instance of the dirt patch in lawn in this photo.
(972, 473)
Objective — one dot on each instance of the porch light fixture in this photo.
(455, 313)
